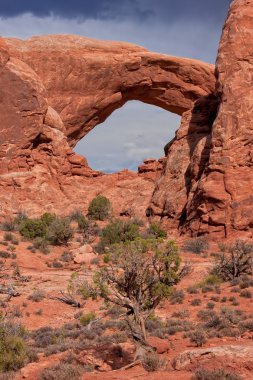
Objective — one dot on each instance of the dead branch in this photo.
(67, 300)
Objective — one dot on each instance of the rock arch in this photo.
(55, 89)
(86, 80)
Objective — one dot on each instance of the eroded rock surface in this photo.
(71, 84)
(55, 89)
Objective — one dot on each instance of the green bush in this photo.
(33, 228)
(156, 231)
(85, 319)
(118, 231)
(99, 208)
(83, 223)
(48, 218)
(13, 351)
(59, 231)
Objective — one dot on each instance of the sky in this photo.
(186, 28)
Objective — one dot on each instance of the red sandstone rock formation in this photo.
(55, 89)
(79, 82)
(222, 201)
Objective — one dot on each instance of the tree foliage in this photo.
(139, 275)
(99, 208)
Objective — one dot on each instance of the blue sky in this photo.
(188, 28)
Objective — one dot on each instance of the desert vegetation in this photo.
(135, 289)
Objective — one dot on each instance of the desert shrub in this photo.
(82, 222)
(177, 297)
(10, 375)
(196, 302)
(8, 236)
(193, 289)
(198, 245)
(62, 371)
(99, 208)
(41, 244)
(5, 254)
(59, 231)
(198, 337)
(152, 362)
(182, 314)
(246, 294)
(217, 374)
(210, 305)
(153, 323)
(48, 218)
(118, 231)
(36, 296)
(236, 261)
(66, 257)
(206, 314)
(85, 319)
(174, 325)
(13, 350)
(156, 231)
(8, 225)
(247, 325)
(210, 280)
(33, 228)
(57, 264)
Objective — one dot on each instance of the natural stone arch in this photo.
(65, 86)
(86, 79)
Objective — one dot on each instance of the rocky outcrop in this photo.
(55, 89)
(70, 84)
(222, 200)
(188, 358)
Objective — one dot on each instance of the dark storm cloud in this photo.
(166, 10)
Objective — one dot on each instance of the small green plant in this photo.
(83, 223)
(48, 218)
(116, 232)
(99, 208)
(33, 228)
(85, 319)
(13, 350)
(156, 231)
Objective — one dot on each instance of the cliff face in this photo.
(223, 199)
(55, 89)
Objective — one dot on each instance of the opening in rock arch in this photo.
(132, 133)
